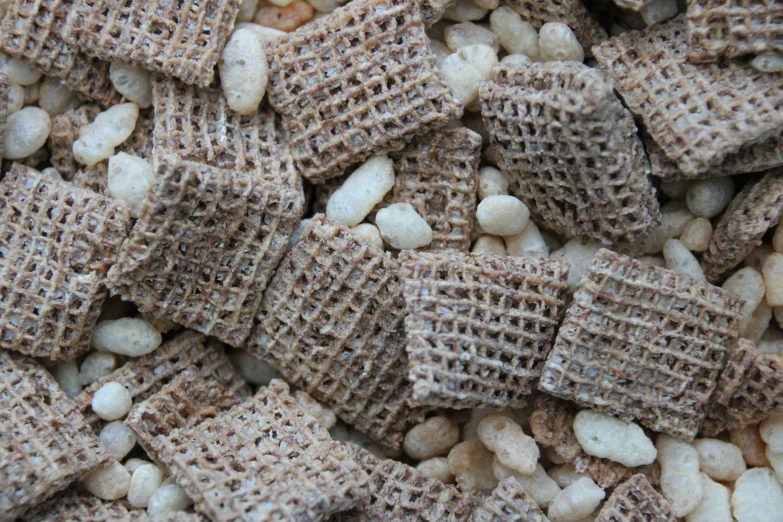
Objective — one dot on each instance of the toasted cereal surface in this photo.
(636, 501)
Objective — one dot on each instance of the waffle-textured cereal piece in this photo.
(139, 143)
(642, 342)
(57, 242)
(571, 150)
(264, 459)
(697, 113)
(44, 445)
(72, 505)
(399, 492)
(196, 124)
(573, 13)
(732, 28)
(3, 109)
(757, 208)
(146, 375)
(751, 158)
(64, 131)
(332, 323)
(552, 424)
(356, 82)
(187, 400)
(479, 327)
(636, 501)
(204, 246)
(38, 31)
(508, 503)
(750, 388)
(180, 38)
(438, 175)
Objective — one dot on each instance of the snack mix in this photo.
(391, 260)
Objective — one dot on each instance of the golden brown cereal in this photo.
(340, 107)
(508, 502)
(643, 342)
(141, 33)
(284, 18)
(58, 243)
(74, 504)
(479, 327)
(64, 131)
(45, 445)
(332, 323)
(752, 445)
(4, 87)
(264, 458)
(636, 501)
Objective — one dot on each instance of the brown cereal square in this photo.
(636, 501)
(509, 503)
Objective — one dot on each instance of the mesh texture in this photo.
(3, 109)
(74, 505)
(64, 131)
(636, 501)
(508, 503)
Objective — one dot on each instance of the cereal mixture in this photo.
(391, 260)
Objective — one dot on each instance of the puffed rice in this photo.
(757, 496)
(607, 437)
(564, 475)
(129, 179)
(435, 436)
(369, 233)
(134, 83)
(55, 97)
(112, 401)
(511, 446)
(576, 501)
(675, 189)
(707, 198)
(758, 323)
(462, 77)
(145, 481)
(133, 464)
(773, 279)
(540, 486)
(118, 439)
(753, 447)
(556, 41)
(402, 227)
(441, 52)
(481, 56)
(681, 260)
(361, 191)
(467, 33)
(528, 243)
(674, 216)
(126, 336)
(247, 10)
(31, 93)
(515, 35)
(748, 284)
(253, 370)
(465, 11)
(769, 62)
(471, 464)
(108, 482)
(720, 460)
(771, 431)
(109, 129)
(578, 254)
(15, 98)
(95, 366)
(502, 215)
(168, 498)
(715, 505)
(696, 235)
(286, 17)
(436, 468)
(515, 60)
(18, 72)
(66, 374)
(488, 244)
(26, 131)
(243, 71)
(680, 479)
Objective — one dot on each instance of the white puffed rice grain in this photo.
(441, 52)
(696, 235)
(657, 11)
(66, 374)
(436, 468)
(26, 131)
(514, 34)
(402, 227)
(565, 475)
(556, 41)
(708, 197)
(133, 464)
(321, 413)
(578, 254)
(681, 260)
(675, 189)
(488, 244)
(144, 482)
(539, 485)
(748, 439)
(576, 501)
(247, 10)
(465, 11)
(118, 439)
(168, 498)
(516, 60)
(757, 497)
(715, 505)
(55, 97)
(109, 129)
(511, 446)
(528, 243)
(773, 279)
(15, 98)
(129, 179)
(758, 256)
(776, 462)
(435, 436)
(758, 323)
(361, 191)
(771, 431)
(608, 437)
(471, 464)
(720, 460)
(134, 83)
(491, 182)
(97, 365)
(748, 284)
(502, 215)
(482, 57)
(674, 216)
(126, 336)
(18, 72)
(462, 77)
(680, 477)
(112, 401)
(244, 72)
(253, 370)
(467, 33)
(768, 62)
(370, 233)
(108, 482)
(267, 34)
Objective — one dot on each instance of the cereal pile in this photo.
(391, 260)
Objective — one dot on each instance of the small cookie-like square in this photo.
(57, 243)
(642, 342)
(755, 209)
(749, 390)
(264, 459)
(37, 32)
(697, 113)
(509, 503)
(44, 444)
(74, 505)
(399, 492)
(187, 400)
(204, 246)
(552, 424)
(357, 82)
(571, 150)
(332, 323)
(636, 501)
(180, 38)
(146, 375)
(570, 12)
(479, 327)
(733, 28)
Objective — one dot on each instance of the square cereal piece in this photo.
(3, 109)
(756, 157)
(399, 492)
(332, 323)
(357, 82)
(57, 242)
(636, 501)
(64, 131)
(552, 425)
(479, 327)
(146, 375)
(180, 38)
(591, 182)
(573, 13)
(44, 444)
(642, 342)
(264, 459)
(749, 390)
(755, 209)
(508, 503)
(187, 400)
(205, 245)
(196, 124)
(697, 113)
(731, 28)
(438, 175)
(38, 31)
(75, 505)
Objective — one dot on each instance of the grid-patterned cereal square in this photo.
(509, 503)
(636, 501)
(73, 504)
